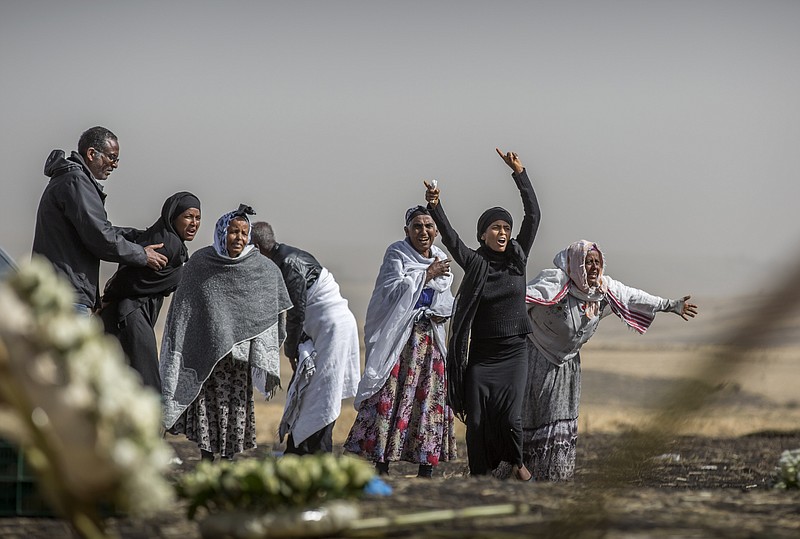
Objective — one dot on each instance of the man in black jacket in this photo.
(300, 271)
(320, 321)
(72, 227)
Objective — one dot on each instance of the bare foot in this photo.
(521, 473)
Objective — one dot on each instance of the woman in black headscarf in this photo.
(133, 297)
(487, 352)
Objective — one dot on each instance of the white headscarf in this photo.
(572, 261)
(635, 307)
(221, 230)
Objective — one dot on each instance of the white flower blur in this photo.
(788, 470)
(97, 419)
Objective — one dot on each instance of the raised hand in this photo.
(432, 193)
(689, 309)
(512, 160)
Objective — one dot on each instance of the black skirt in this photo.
(494, 388)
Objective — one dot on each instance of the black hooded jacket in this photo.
(73, 231)
(300, 270)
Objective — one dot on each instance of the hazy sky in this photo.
(666, 131)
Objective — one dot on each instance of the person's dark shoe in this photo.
(382, 468)
(206, 455)
(425, 471)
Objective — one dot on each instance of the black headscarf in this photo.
(490, 216)
(413, 212)
(513, 255)
(140, 282)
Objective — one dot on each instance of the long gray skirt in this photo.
(550, 417)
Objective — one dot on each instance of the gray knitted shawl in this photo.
(222, 306)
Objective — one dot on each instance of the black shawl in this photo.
(466, 304)
(131, 286)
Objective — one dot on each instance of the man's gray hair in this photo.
(263, 236)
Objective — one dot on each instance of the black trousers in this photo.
(319, 442)
(138, 339)
(497, 371)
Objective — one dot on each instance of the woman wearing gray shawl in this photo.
(401, 399)
(223, 334)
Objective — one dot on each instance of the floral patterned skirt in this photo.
(222, 418)
(408, 419)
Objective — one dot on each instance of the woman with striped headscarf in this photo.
(565, 305)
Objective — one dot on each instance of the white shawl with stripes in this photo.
(635, 307)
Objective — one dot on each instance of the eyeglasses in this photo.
(114, 159)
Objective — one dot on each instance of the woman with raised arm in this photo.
(565, 305)
(487, 353)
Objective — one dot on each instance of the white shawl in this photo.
(391, 314)
(635, 307)
(328, 365)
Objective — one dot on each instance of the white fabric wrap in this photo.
(559, 336)
(391, 314)
(328, 365)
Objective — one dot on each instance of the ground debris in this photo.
(720, 487)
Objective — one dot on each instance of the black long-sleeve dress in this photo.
(133, 297)
(487, 353)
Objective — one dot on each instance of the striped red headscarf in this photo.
(576, 270)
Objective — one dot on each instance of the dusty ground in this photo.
(698, 487)
(710, 476)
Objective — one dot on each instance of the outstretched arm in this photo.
(530, 223)
(633, 299)
(681, 307)
(98, 235)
